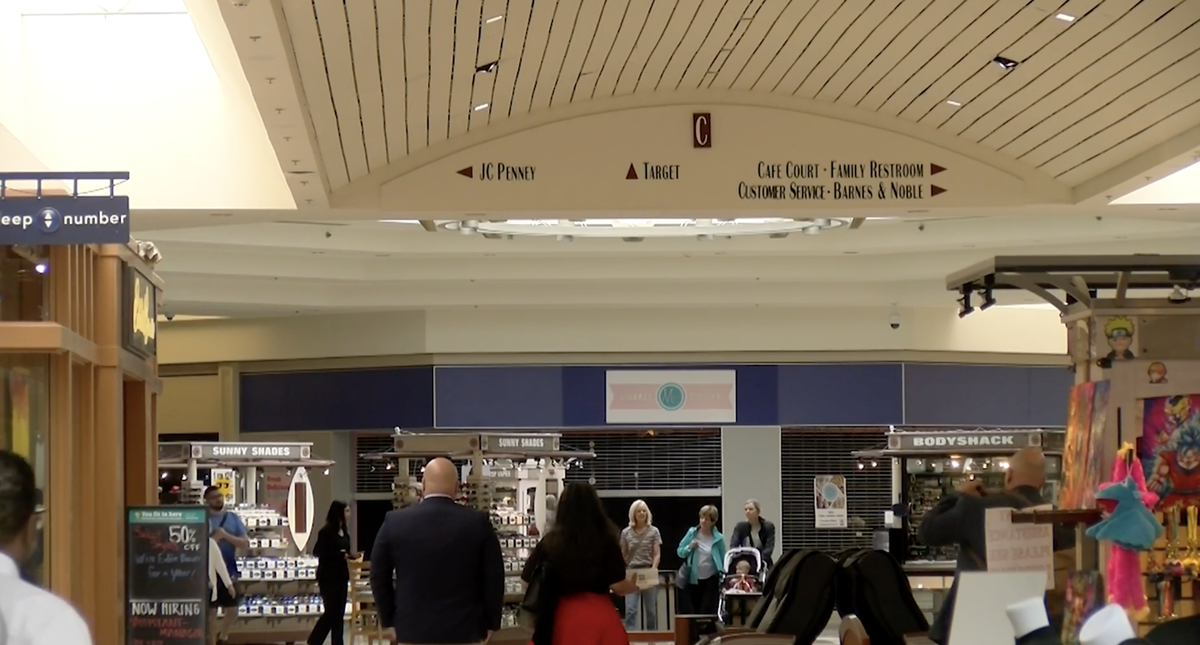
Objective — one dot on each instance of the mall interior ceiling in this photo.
(349, 156)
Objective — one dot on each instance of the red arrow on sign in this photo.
(468, 172)
(934, 191)
(935, 169)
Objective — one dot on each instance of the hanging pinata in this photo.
(1131, 527)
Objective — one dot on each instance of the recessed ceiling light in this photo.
(481, 106)
(1065, 17)
(953, 103)
(1005, 64)
(499, 18)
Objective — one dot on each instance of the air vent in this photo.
(324, 224)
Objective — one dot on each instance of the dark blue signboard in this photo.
(64, 220)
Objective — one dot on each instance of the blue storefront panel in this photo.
(986, 395)
(553, 396)
(502, 396)
(854, 394)
(371, 399)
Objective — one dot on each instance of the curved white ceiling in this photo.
(231, 117)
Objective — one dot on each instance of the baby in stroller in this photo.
(742, 585)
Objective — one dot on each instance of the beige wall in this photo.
(536, 333)
(190, 405)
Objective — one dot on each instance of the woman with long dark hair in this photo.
(577, 564)
(333, 574)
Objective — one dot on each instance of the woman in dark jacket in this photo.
(755, 532)
(577, 564)
(333, 574)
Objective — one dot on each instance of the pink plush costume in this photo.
(1124, 567)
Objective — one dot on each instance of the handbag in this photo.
(683, 577)
(527, 611)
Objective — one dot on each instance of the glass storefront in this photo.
(24, 287)
(25, 424)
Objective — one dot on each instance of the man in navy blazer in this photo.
(449, 571)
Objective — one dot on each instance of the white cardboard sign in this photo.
(979, 612)
(1018, 547)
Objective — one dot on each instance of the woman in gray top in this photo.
(641, 544)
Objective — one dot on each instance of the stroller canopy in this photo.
(744, 554)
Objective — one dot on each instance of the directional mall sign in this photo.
(64, 220)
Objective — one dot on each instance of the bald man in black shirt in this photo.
(448, 568)
(960, 520)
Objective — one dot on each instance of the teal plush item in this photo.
(1128, 523)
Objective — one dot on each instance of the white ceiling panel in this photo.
(382, 80)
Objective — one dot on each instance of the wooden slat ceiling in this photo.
(386, 78)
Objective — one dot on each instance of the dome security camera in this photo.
(169, 317)
(894, 320)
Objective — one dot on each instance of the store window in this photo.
(24, 287)
(25, 424)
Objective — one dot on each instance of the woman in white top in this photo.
(641, 544)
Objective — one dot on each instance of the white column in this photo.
(751, 468)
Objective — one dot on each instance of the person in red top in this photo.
(577, 564)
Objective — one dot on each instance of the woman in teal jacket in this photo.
(703, 552)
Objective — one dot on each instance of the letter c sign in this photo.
(702, 130)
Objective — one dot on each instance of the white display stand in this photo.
(980, 617)
(278, 575)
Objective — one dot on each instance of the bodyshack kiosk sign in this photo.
(166, 578)
(980, 441)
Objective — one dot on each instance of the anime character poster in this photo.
(1078, 446)
(1119, 332)
(1170, 448)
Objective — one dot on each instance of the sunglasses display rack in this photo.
(277, 591)
(508, 476)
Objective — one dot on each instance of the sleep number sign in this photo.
(166, 580)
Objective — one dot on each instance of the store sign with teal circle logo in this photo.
(671, 396)
(64, 220)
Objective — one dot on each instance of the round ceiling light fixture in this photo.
(700, 229)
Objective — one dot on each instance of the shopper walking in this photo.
(703, 551)
(755, 532)
(577, 564)
(960, 520)
(332, 551)
(218, 578)
(448, 570)
(30, 615)
(641, 544)
(230, 533)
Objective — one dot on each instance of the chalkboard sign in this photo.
(166, 580)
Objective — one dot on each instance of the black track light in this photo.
(489, 68)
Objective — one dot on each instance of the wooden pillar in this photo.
(141, 446)
(64, 527)
(108, 452)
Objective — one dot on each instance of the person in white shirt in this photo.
(31, 615)
(218, 574)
